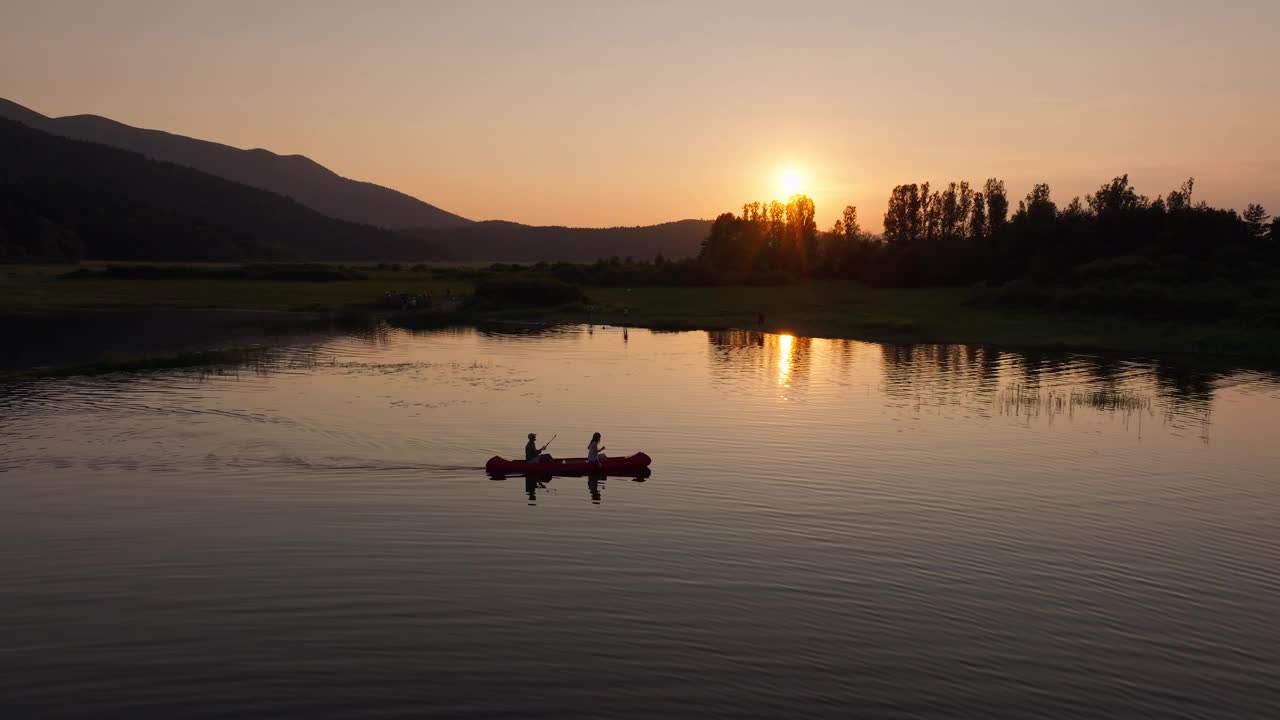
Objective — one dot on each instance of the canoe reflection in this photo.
(595, 484)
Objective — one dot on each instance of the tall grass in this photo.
(1031, 401)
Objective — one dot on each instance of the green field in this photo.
(26, 288)
(819, 309)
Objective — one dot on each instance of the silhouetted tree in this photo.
(799, 247)
(845, 250)
(997, 205)
(1075, 209)
(921, 212)
(1114, 198)
(852, 228)
(1256, 217)
(724, 247)
(900, 222)
(768, 236)
(1105, 250)
(978, 217)
(1038, 207)
(1180, 199)
(949, 213)
(964, 210)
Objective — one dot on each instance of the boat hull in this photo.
(630, 465)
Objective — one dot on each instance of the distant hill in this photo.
(295, 176)
(499, 241)
(123, 206)
(67, 198)
(63, 221)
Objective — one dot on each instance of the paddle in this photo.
(553, 439)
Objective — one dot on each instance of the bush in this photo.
(1128, 267)
(157, 272)
(270, 272)
(1201, 302)
(527, 292)
(767, 278)
(1165, 270)
(683, 274)
(623, 274)
(506, 267)
(299, 273)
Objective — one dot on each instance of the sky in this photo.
(626, 113)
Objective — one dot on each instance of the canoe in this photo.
(569, 466)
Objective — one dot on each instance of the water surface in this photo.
(831, 529)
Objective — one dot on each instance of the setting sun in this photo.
(791, 181)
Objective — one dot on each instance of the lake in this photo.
(831, 529)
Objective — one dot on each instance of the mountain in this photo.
(66, 198)
(295, 176)
(499, 241)
(144, 217)
(48, 219)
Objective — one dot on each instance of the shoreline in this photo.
(222, 345)
(53, 321)
(1110, 341)
(1241, 360)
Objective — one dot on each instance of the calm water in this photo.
(832, 529)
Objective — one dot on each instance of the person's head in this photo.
(595, 437)
(533, 436)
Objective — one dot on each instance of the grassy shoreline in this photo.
(816, 308)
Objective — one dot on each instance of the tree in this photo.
(900, 222)
(925, 217)
(1075, 209)
(800, 235)
(997, 205)
(842, 253)
(1038, 208)
(1107, 242)
(1180, 199)
(1255, 218)
(1116, 197)
(964, 209)
(978, 217)
(849, 219)
(722, 247)
(777, 221)
(949, 212)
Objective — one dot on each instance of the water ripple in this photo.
(832, 528)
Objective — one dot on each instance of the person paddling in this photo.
(593, 450)
(533, 453)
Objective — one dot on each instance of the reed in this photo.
(252, 356)
(1018, 399)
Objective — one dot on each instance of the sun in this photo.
(791, 181)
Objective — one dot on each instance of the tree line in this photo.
(962, 234)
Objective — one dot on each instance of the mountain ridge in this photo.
(296, 176)
(489, 240)
(68, 198)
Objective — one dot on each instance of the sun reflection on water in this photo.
(786, 356)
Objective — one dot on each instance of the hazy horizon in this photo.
(586, 114)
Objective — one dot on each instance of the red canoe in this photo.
(569, 466)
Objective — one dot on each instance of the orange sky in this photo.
(612, 113)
